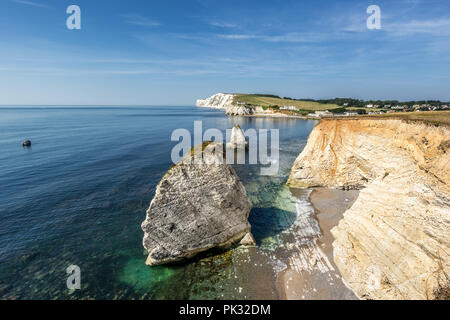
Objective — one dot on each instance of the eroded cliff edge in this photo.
(393, 243)
(226, 102)
(229, 103)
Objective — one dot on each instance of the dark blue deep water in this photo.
(79, 195)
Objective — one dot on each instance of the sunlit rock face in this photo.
(239, 111)
(394, 242)
(197, 206)
(218, 101)
(226, 102)
(237, 140)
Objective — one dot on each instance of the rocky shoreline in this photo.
(393, 242)
(380, 232)
(329, 206)
(199, 204)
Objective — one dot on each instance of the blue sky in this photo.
(172, 52)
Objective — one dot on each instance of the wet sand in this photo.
(320, 280)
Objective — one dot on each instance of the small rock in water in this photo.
(26, 143)
(237, 140)
(248, 240)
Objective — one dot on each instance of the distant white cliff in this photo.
(227, 102)
(218, 101)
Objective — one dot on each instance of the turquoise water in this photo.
(79, 195)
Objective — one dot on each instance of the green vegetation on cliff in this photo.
(304, 107)
(431, 117)
(272, 100)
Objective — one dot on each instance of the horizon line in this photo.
(94, 105)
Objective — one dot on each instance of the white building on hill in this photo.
(320, 114)
(292, 108)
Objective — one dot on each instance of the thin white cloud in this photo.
(435, 27)
(139, 20)
(238, 36)
(219, 24)
(298, 37)
(292, 37)
(166, 62)
(30, 3)
(355, 22)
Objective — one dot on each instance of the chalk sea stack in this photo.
(26, 143)
(197, 206)
(237, 140)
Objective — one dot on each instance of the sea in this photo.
(79, 194)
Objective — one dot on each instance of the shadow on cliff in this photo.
(269, 222)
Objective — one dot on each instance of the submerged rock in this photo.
(26, 143)
(237, 140)
(248, 240)
(197, 206)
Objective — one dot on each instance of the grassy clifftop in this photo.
(305, 107)
(267, 101)
(431, 117)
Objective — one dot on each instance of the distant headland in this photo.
(275, 106)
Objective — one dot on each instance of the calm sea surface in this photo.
(79, 195)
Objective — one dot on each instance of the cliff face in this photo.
(394, 242)
(226, 102)
(239, 111)
(196, 207)
(218, 101)
(237, 140)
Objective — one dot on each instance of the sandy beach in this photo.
(321, 278)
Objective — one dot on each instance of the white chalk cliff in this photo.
(226, 102)
(394, 242)
(237, 140)
(239, 111)
(217, 101)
